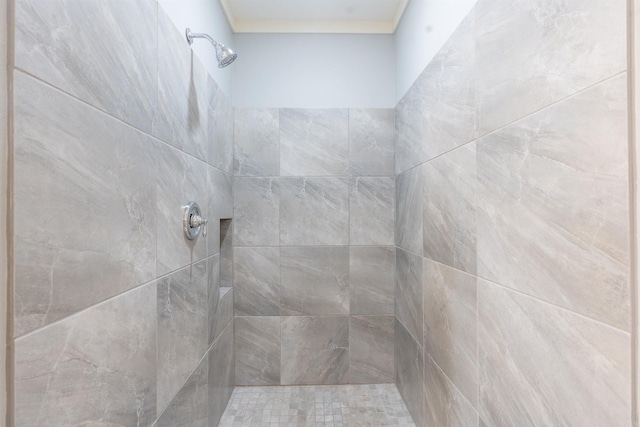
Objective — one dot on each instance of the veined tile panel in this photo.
(315, 350)
(371, 142)
(410, 128)
(314, 211)
(450, 325)
(257, 142)
(531, 53)
(314, 142)
(220, 206)
(221, 375)
(371, 210)
(438, 112)
(541, 365)
(449, 208)
(182, 327)
(256, 281)
(371, 349)
(409, 210)
(444, 405)
(189, 408)
(409, 367)
(57, 42)
(96, 367)
(220, 133)
(257, 350)
(256, 211)
(408, 289)
(181, 178)
(553, 211)
(447, 87)
(372, 280)
(69, 155)
(213, 297)
(314, 280)
(182, 113)
(223, 315)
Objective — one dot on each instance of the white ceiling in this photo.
(314, 16)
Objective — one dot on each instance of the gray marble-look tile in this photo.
(409, 368)
(410, 144)
(182, 327)
(220, 134)
(541, 365)
(220, 206)
(256, 211)
(372, 280)
(447, 88)
(221, 375)
(449, 209)
(257, 142)
(314, 211)
(62, 43)
(314, 142)
(314, 280)
(189, 408)
(450, 322)
(257, 350)
(408, 292)
(371, 141)
(371, 348)
(182, 114)
(553, 210)
(256, 281)
(371, 210)
(444, 404)
(531, 53)
(181, 179)
(409, 210)
(109, 185)
(213, 296)
(94, 368)
(315, 350)
(224, 314)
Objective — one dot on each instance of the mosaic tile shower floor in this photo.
(376, 405)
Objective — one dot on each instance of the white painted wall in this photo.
(314, 71)
(204, 16)
(425, 27)
(321, 70)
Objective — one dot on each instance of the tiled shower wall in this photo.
(512, 232)
(117, 126)
(314, 248)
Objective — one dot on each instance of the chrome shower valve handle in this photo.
(197, 221)
(193, 222)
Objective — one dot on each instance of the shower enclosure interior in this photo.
(469, 247)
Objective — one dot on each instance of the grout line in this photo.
(121, 121)
(112, 297)
(480, 136)
(427, 354)
(564, 309)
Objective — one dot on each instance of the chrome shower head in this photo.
(224, 55)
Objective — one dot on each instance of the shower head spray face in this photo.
(225, 55)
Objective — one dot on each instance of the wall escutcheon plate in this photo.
(193, 222)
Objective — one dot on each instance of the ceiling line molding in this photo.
(332, 27)
(306, 24)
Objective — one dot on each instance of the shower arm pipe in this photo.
(191, 36)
